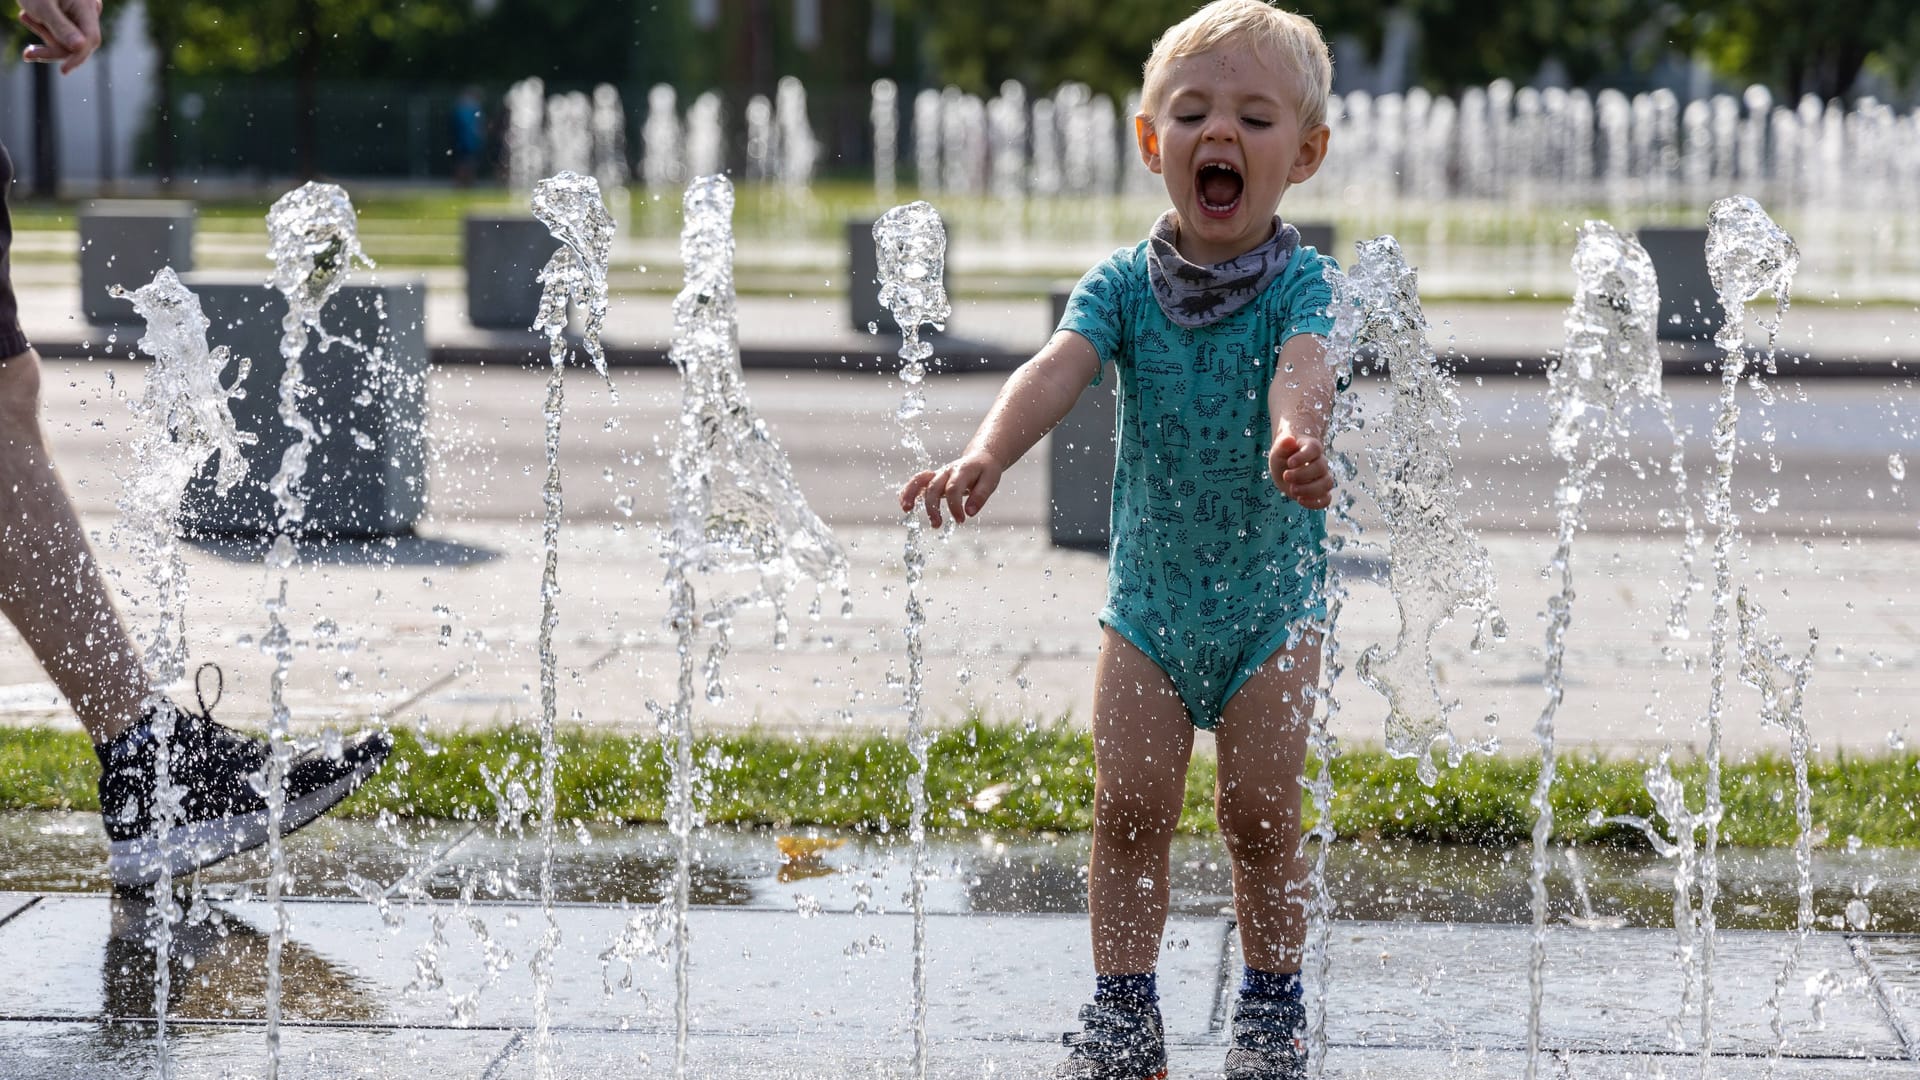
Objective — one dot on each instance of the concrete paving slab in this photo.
(94, 1051)
(1466, 986)
(1894, 964)
(1674, 1067)
(635, 1054)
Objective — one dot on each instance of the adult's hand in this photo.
(69, 31)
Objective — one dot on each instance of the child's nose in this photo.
(1218, 128)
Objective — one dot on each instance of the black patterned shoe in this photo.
(220, 776)
(1267, 1042)
(1115, 1043)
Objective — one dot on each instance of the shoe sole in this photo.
(192, 847)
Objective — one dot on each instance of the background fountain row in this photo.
(1546, 146)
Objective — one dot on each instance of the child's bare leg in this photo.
(1262, 746)
(1142, 739)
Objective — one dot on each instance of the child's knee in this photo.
(1135, 817)
(1258, 827)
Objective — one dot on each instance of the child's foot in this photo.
(1266, 1040)
(1115, 1043)
(215, 769)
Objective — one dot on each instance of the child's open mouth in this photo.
(1218, 186)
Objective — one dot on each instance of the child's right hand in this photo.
(963, 484)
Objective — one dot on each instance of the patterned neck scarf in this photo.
(1198, 295)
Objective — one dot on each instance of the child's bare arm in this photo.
(1034, 399)
(1301, 401)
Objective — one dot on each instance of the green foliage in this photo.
(1465, 43)
(1793, 45)
(1798, 47)
(1005, 778)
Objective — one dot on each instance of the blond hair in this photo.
(1282, 36)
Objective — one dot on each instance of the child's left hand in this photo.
(1299, 468)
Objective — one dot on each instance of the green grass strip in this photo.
(1044, 781)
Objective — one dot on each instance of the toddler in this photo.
(1215, 326)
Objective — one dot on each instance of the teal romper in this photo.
(1212, 567)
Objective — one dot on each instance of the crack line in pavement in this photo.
(413, 877)
(506, 1054)
(21, 910)
(1878, 985)
(460, 671)
(1223, 984)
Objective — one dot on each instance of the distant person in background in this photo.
(469, 136)
(52, 592)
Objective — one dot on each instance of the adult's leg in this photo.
(1262, 746)
(50, 584)
(1142, 740)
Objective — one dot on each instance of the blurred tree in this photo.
(1800, 47)
(1465, 42)
(1104, 42)
(291, 37)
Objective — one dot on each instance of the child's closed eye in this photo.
(1256, 122)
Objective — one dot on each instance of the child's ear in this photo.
(1149, 142)
(1313, 151)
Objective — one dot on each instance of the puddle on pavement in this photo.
(60, 852)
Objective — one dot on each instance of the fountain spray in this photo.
(1350, 312)
(1611, 363)
(182, 419)
(911, 243)
(735, 507)
(1438, 567)
(314, 246)
(1781, 678)
(569, 205)
(1747, 254)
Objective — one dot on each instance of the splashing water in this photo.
(569, 205)
(182, 418)
(1781, 678)
(1349, 324)
(1438, 567)
(735, 507)
(1611, 364)
(1747, 254)
(314, 246)
(911, 244)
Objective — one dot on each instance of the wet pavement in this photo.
(409, 948)
(398, 861)
(441, 988)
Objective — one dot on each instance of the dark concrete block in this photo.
(125, 242)
(1689, 308)
(1319, 236)
(367, 474)
(503, 255)
(1080, 464)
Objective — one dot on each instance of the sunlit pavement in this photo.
(438, 629)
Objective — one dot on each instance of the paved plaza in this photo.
(436, 631)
